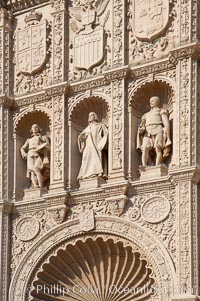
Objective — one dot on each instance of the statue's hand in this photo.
(24, 156)
(141, 130)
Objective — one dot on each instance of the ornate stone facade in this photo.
(123, 233)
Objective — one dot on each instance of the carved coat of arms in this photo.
(86, 219)
(150, 18)
(89, 37)
(32, 44)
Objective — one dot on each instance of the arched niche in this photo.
(139, 105)
(78, 120)
(22, 132)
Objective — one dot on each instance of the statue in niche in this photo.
(92, 143)
(36, 150)
(154, 134)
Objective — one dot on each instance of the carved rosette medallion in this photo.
(27, 228)
(155, 209)
(150, 18)
(87, 220)
(32, 44)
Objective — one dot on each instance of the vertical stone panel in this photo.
(58, 143)
(118, 28)
(4, 252)
(116, 158)
(59, 41)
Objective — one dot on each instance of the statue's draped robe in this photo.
(95, 139)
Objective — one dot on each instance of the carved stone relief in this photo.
(134, 235)
(33, 61)
(152, 28)
(156, 212)
(117, 152)
(89, 34)
(28, 227)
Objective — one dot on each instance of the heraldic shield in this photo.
(89, 49)
(151, 18)
(31, 48)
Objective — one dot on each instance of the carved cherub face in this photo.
(92, 117)
(154, 102)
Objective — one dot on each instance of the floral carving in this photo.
(117, 125)
(58, 137)
(155, 209)
(27, 228)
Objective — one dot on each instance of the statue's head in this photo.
(35, 129)
(92, 117)
(154, 101)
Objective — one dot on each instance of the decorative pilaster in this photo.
(59, 41)
(185, 118)
(118, 36)
(5, 152)
(187, 239)
(4, 251)
(58, 149)
(116, 152)
(5, 52)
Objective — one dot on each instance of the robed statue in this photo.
(154, 134)
(36, 150)
(92, 143)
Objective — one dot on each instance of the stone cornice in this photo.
(131, 72)
(191, 50)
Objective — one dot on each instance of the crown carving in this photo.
(33, 16)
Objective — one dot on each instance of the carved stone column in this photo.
(4, 251)
(58, 148)
(60, 41)
(116, 135)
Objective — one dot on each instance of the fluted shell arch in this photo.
(80, 112)
(27, 120)
(94, 270)
(140, 95)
